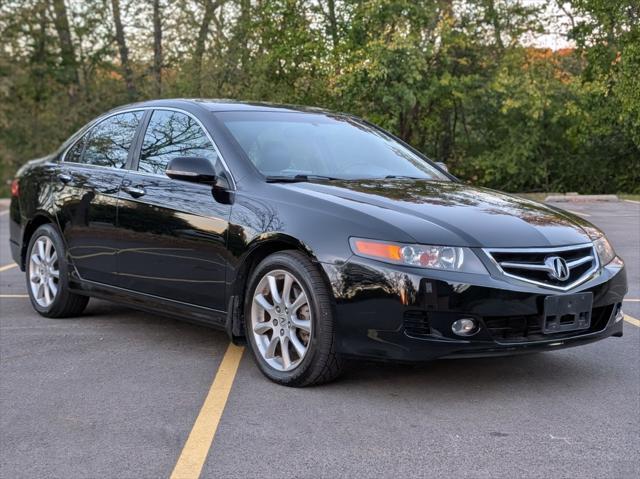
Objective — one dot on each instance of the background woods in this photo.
(464, 81)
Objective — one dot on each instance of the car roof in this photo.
(220, 105)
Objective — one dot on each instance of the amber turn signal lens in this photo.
(378, 250)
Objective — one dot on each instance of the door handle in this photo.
(135, 191)
(65, 178)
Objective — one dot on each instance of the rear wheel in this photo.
(47, 276)
(289, 322)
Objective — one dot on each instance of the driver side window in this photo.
(171, 134)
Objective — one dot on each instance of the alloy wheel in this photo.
(281, 320)
(44, 273)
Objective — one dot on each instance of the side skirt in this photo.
(152, 304)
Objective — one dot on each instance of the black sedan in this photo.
(309, 235)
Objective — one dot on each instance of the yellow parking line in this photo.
(194, 453)
(14, 295)
(7, 267)
(578, 213)
(632, 320)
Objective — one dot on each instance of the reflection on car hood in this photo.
(437, 212)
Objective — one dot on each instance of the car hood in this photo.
(436, 212)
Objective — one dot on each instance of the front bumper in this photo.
(405, 314)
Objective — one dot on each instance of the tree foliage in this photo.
(458, 79)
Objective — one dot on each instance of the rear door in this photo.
(90, 177)
(175, 231)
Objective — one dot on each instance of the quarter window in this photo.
(171, 134)
(74, 155)
(109, 141)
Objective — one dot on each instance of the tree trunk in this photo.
(67, 53)
(495, 22)
(124, 51)
(333, 24)
(203, 33)
(157, 47)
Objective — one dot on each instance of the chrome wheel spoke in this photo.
(286, 289)
(270, 352)
(273, 289)
(48, 246)
(40, 246)
(303, 324)
(262, 328)
(286, 357)
(301, 300)
(52, 287)
(300, 348)
(262, 301)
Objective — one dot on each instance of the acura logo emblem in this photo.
(557, 268)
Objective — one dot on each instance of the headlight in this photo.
(605, 251)
(449, 258)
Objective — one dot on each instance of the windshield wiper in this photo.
(402, 177)
(299, 178)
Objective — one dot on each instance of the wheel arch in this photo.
(258, 250)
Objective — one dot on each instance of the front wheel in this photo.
(289, 321)
(47, 276)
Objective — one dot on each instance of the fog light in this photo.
(619, 315)
(464, 327)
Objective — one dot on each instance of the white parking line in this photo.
(633, 201)
(7, 267)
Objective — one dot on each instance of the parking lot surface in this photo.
(115, 394)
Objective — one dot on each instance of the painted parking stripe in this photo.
(632, 320)
(633, 201)
(5, 212)
(194, 453)
(631, 300)
(14, 295)
(7, 267)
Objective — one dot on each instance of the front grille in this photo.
(416, 324)
(529, 328)
(535, 265)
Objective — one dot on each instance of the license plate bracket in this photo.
(567, 312)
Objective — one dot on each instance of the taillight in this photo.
(15, 188)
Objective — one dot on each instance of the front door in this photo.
(89, 180)
(175, 231)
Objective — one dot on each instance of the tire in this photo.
(286, 323)
(52, 274)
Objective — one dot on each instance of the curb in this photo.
(580, 198)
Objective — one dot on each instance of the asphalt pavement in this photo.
(115, 394)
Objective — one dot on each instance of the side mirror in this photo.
(191, 168)
(442, 166)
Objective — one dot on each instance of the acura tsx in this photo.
(308, 235)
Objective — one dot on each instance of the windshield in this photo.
(290, 144)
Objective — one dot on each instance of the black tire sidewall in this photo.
(320, 316)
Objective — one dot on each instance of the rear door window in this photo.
(108, 142)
